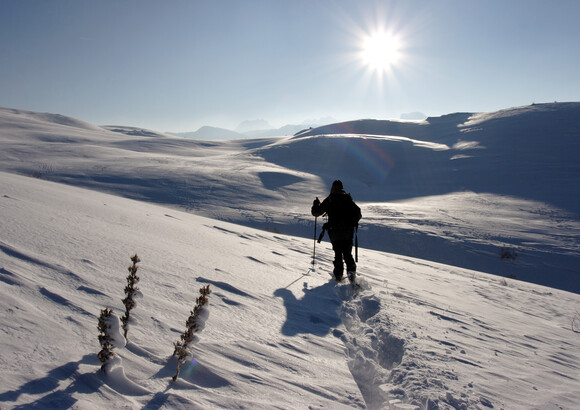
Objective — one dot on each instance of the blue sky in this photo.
(176, 65)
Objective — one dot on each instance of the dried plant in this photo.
(195, 323)
(105, 338)
(130, 293)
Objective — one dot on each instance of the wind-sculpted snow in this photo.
(280, 334)
(528, 152)
(458, 189)
(389, 167)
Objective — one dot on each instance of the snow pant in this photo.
(343, 251)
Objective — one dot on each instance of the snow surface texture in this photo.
(458, 189)
(280, 334)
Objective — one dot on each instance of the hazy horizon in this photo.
(180, 66)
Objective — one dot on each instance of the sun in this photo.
(380, 51)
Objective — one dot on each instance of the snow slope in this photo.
(279, 334)
(430, 329)
(455, 189)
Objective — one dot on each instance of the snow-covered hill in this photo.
(279, 334)
(455, 189)
(530, 152)
(430, 329)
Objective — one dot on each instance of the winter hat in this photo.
(336, 186)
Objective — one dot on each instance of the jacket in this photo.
(343, 214)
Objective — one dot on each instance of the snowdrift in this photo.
(280, 334)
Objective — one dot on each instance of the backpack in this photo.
(343, 213)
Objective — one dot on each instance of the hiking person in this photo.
(343, 216)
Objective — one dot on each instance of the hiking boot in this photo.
(338, 270)
(351, 276)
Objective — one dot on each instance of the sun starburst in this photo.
(380, 51)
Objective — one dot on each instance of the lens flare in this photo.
(188, 370)
(372, 155)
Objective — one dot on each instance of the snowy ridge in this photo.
(460, 205)
(430, 328)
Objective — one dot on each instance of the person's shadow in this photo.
(316, 313)
(49, 386)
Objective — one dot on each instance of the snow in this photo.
(438, 322)
(114, 331)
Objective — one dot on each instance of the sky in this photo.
(179, 65)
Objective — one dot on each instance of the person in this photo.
(343, 216)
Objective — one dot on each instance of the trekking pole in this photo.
(356, 244)
(314, 250)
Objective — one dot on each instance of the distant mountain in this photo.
(289, 129)
(215, 133)
(253, 125)
(276, 132)
(210, 133)
(251, 129)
